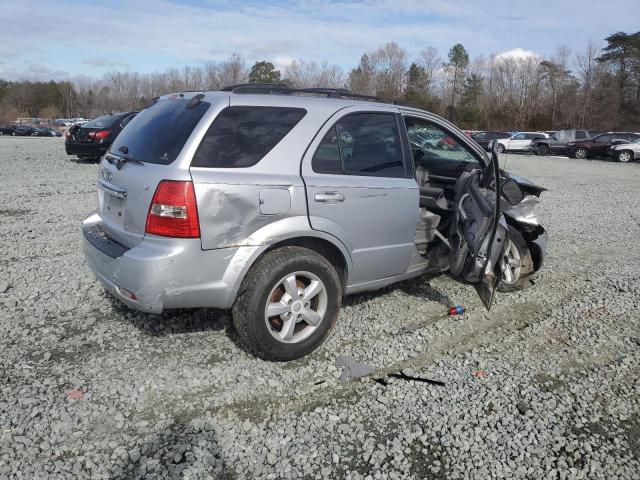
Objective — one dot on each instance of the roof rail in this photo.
(285, 89)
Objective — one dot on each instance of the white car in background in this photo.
(518, 141)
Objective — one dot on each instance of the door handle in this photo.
(329, 197)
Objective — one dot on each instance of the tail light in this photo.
(173, 211)
(98, 134)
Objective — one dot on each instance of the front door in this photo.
(360, 189)
(477, 232)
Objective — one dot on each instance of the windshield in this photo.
(101, 122)
(158, 133)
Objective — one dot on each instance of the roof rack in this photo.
(285, 89)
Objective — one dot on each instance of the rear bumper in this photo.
(164, 273)
(86, 149)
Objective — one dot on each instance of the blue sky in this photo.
(43, 39)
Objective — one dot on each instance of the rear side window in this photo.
(361, 144)
(158, 133)
(581, 135)
(241, 136)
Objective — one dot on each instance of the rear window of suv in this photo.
(158, 133)
(241, 136)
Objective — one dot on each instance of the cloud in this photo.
(282, 62)
(517, 54)
(103, 62)
(175, 33)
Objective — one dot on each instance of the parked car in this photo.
(47, 132)
(484, 138)
(557, 143)
(93, 139)
(625, 152)
(518, 142)
(276, 205)
(17, 130)
(599, 145)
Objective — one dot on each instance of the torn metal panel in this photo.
(523, 212)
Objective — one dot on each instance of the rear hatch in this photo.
(142, 155)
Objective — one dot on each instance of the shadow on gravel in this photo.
(171, 322)
(171, 453)
(93, 161)
(420, 287)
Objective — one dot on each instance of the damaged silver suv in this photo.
(276, 202)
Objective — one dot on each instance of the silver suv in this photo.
(276, 202)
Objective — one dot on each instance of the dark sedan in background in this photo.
(484, 138)
(599, 145)
(93, 139)
(14, 130)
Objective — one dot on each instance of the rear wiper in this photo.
(121, 160)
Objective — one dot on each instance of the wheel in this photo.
(543, 150)
(13, 134)
(517, 263)
(624, 156)
(287, 304)
(581, 153)
(500, 148)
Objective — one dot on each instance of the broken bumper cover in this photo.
(539, 248)
(162, 273)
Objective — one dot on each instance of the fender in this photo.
(251, 249)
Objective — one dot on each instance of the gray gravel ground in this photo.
(545, 386)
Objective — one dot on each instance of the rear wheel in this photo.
(581, 153)
(624, 156)
(543, 150)
(517, 263)
(500, 148)
(287, 304)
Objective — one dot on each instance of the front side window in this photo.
(430, 142)
(520, 136)
(241, 136)
(361, 144)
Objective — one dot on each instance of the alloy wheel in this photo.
(511, 264)
(295, 307)
(581, 153)
(624, 157)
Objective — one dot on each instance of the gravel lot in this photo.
(545, 386)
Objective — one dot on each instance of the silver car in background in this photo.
(276, 202)
(625, 152)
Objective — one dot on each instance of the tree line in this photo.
(596, 88)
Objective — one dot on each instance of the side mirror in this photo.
(512, 191)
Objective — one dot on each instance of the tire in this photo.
(581, 153)
(269, 336)
(543, 150)
(500, 148)
(518, 262)
(625, 156)
(13, 134)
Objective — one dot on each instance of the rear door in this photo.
(360, 189)
(145, 152)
